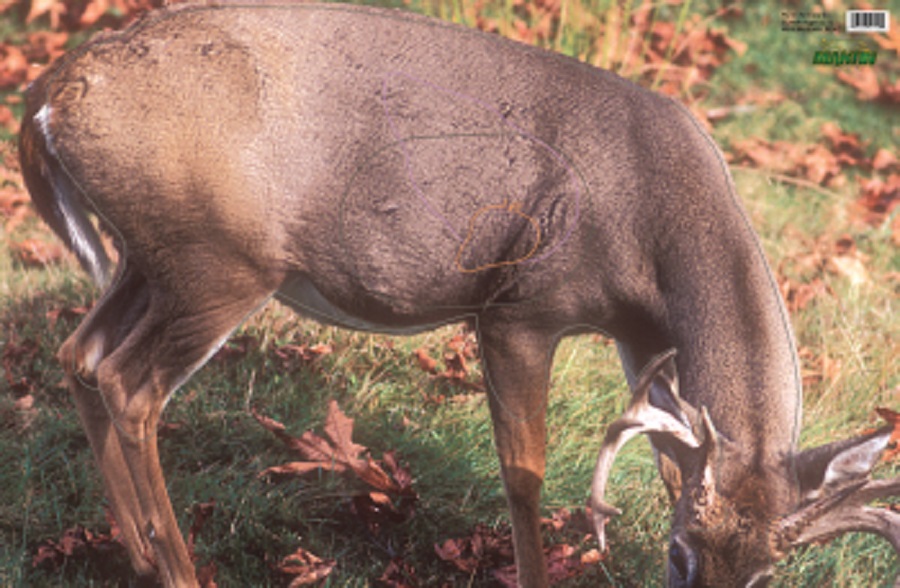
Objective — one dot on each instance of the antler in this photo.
(843, 508)
(640, 417)
(842, 512)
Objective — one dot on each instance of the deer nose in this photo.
(682, 563)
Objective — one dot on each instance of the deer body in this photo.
(386, 172)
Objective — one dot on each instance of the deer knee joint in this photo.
(81, 358)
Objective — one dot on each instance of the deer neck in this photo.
(717, 303)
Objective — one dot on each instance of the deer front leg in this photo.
(517, 373)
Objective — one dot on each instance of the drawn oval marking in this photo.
(513, 207)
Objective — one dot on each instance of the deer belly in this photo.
(303, 297)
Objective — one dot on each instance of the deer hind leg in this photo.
(138, 345)
(517, 365)
(80, 355)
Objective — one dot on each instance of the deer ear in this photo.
(840, 463)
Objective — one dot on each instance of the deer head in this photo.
(734, 519)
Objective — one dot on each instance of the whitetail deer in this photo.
(387, 172)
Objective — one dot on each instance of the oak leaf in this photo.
(337, 453)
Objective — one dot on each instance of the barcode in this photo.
(868, 21)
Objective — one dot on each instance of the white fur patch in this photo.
(80, 242)
(42, 118)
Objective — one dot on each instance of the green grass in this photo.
(49, 483)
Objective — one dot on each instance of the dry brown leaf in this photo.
(879, 197)
(13, 66)
(236, 349)
(562, 564)
(55, 8)
(847, 148)
(867, 84)
(305, 353)
(339, 428)
(893, 418)
(399, 574)
(426, 362)
(818, 368)
(37, 253)
(12, 198)
(300, 468)
(7, 120)
(820, 164)
(890, 41)
(848, 261)
(316, 449)
(895, 231)
(94, 10)
(78, 543)
(591, 557)
(885, 161)
(305, 568)
(797, 295)
(24, 403)
(338, 455)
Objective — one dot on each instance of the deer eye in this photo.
(682, 563)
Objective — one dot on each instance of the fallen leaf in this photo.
(869, 87)
(377, 511)
(485, 548)
(13, 66)
(67, 313)
(304, 353)
(893, 418)
(94, 10)
(426, 362)
(798, 295)
(850, 267)
(79, 544)
(817, 368)
(13, 205)
(305, 568)
(878, 198)
(399, 574)
(338, 454)
(24, 412)
(24, 403)
(591, 557)
(339, 428)
(37, 253)
(19, 360)
(562, 564)
(820, 165)
(885, 161)
(55, 8)
(236, 349)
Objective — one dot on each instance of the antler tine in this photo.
(639, 417)
(846, 512)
